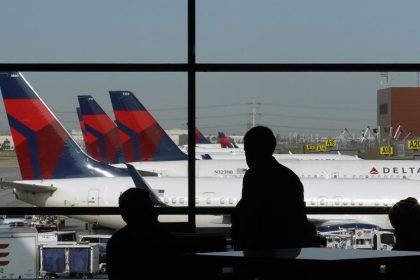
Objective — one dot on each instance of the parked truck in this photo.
(360, 238)
(18, 252)
(373, 239)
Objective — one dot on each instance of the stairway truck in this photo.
(76, 259)
(18, 253)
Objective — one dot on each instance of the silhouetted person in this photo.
(142, 249)
(271, 213)
(405, 218)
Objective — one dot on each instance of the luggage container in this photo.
(80, 260)
(101, 240)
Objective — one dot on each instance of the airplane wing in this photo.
(141, 184)
(28, 187)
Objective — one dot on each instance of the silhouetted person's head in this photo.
(136, 207)
(259, 143)
(405, 215)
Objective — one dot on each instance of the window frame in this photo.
(192, 68)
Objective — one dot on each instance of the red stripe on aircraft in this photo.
(30, 112)
(23, 155)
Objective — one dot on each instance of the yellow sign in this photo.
(310, 147)
(386, 150)
(330, 142)
(413, 144)
(321, 148)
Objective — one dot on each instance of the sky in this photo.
(264, 31)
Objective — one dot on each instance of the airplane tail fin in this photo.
(199, 137)
(140, 183)
(233, 143)
(206, 156)
(83, 129)
(101, 132)
(224, 141)
(149, 142)
(80, 118)
(44, 149)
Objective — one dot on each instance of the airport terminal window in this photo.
(296, 99)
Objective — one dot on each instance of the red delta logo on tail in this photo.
(31, 125)
(102, 137)
(44, 148)
(148, 140)
(224, 141)
(144, 131)
(89, 145)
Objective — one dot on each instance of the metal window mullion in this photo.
(191, 111)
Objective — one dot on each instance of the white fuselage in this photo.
(214, 192)
(303, 168)
(239, 153)
(236, 155)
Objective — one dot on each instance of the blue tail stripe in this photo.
(164, 153)
(31, 139)
(134, 140)
(84, 166)
(89, 106)
(14, 87)
(125, 101)
(79, 114)
(119, 156)
(101, 139)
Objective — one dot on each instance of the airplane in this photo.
(97, 118)
(89, 150)
(57, 173)
(221, 168)
(92, 113)
(225, 142)
(148, 140)
(132, 116)
(101, 136)
(200, 139)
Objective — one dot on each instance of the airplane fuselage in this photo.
(349, 169)
(214, 192)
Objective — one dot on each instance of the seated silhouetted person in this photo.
(141, 249)
(271, 213)
(405, 218)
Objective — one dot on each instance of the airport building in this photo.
(398, 107)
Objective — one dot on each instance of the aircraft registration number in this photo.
(223, 172)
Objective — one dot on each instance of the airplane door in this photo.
(93, 197)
